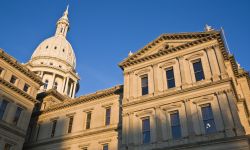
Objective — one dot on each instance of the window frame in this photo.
(107, 116)
(201, 71)
(53, 129)
(88, 120)
(13, 77)
(17, 115)
(3, 110)
(174, 125)
(26, 88)
(144, 89)
(70, 125)
(146, 131)
(204, 120)
(103, 146)
(170, 79)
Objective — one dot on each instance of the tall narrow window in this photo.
(45, 86)
(144, 85)
(175, 125)
(26, 87)
(3, 106)
(13, 79)
(88, 120)
(71, 118)
(198, 70)
(208, 118)
(146, 130)
(17, 115)
(1, 70)
(7, 146)
(170, 78)
(107, 118)
(105, 147)
(53, 128)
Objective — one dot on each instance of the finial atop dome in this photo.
(63, 23)
(130, 53)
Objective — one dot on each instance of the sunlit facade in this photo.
(181, 91)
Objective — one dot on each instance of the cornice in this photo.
(53, 92)
(13, 62)
(85, 98)
(13, 129)
(206, 37)
(17, 90)
(164, 95)
(88, 132)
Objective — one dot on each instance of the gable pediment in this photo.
(167, 43)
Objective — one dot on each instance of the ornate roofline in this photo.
(203, 37)
(17, 90)
(85, 98)
(13, 62)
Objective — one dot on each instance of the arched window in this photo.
(55, 85)
(45, 86)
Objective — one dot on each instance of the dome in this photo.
(56, 47)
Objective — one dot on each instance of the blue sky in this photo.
(104, 31)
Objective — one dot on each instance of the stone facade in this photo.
(18, 90)
(181, 91)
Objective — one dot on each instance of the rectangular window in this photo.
(144, 85)
(175, 125)
(146, 130)
(198, 70)
(26, 87)
(88, 120)
(105, 147)
(3, 106)
(17, 115)
(1, 70)
(208, 118)
(7, 146)
(170, 78)
(107, 120)
(71, 118)
(85, 148)
(53, 128)
(13, 79)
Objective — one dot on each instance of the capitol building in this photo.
(182, 91)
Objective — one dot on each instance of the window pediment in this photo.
(143, 71)
(203, 99)
(144, 113)
(195, 56)
(168, 64)
(171, 106)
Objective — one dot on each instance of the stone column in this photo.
(74, 90)
(189, 115)
(1, 143)
(237, 123)
(206, 66)
(66, 88)
(155, 73)
(11, 110)
(131, 130)
(126, 85)
(53, 80)
(182, 71)
(220, 62)
(226, 114)
(213, 63)
(158, 126)
(131, 85)
(125, 129)
(71, 89)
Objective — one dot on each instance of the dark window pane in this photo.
(175, 125)
(70, 124)
(13, 79)
(53, 128)
(88, 120)
(105, 147)
(46, 84)
(108, 111)
(144, 85)
(3, 106)
(26, 87)
(1, 70)
(170, 78)
(198, 70)
(146, 130)
(17, 115)
(208, 119)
